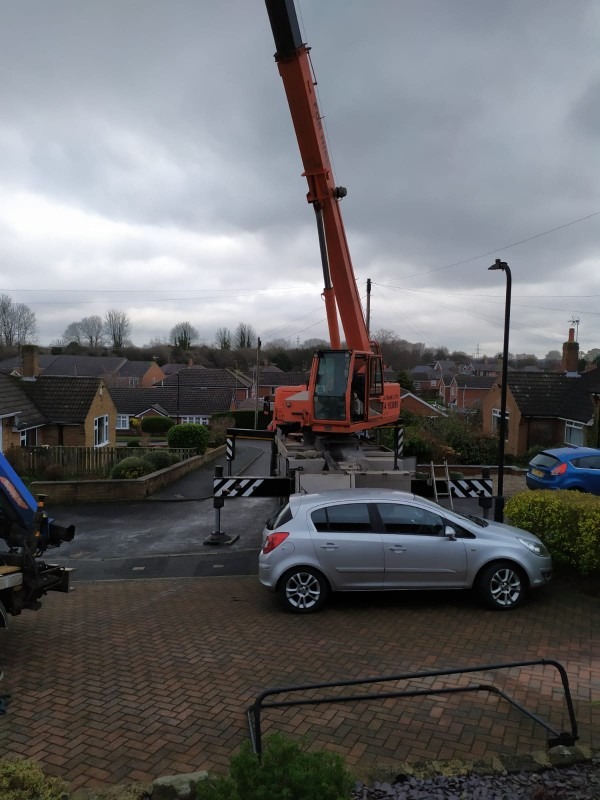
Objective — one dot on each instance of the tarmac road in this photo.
(163, 536)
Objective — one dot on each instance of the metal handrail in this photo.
(253, 712)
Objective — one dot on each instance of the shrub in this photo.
(286, 771)
(218, 429)
(54, 472)
(189, 434)
(24, 780)
(156, 424)
(567, 522)
(160, 459)
(133, 443)
(131, 467)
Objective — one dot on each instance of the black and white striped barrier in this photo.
(252, 487)
(471, 487)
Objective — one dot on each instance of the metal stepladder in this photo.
(436, 493)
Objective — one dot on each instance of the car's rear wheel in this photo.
(502, 586)
(303, 590)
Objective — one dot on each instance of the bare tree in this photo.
(183, 335)
(223, 339)
(117, 327)
(92, 330)
(17, 322)
(72, 333)
(245, 336)
(25, 324)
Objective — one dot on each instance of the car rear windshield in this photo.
(544, 460)
(279, 518)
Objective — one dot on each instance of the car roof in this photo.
(354, 494)
(566, 453)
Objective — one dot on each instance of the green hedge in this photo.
(189, 434)
(24, 780)
(132, 467)
(286, 772)
(157, 424)
(567, 522)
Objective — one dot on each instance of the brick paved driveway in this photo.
(132, 680)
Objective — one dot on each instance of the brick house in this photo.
(80, 411)
(467, 392)
(417, 406)
(181, 403)
(55, 411)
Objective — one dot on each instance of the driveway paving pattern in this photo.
(130, 680)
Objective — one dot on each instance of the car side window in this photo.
(342, 518)
(403, 518)
(587, 462)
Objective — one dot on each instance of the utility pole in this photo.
(258, 345)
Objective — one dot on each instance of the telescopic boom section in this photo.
(340, 283)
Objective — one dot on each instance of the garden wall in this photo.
(68, 492)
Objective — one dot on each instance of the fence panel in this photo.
(77, 462)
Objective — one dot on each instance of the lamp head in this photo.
(498, 264)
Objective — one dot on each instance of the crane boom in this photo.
(345, 392)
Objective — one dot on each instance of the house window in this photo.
(28, 438)
(101, 431)
(496, 422)
(122, 422)
(133, 382)
(197, 420)
(574, 433)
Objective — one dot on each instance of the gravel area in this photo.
(577, 782)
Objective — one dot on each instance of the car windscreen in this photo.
(544, 460)
(279, 518)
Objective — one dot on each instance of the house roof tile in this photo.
(187, 401)
(14, 400)
(550, 394)
(63, 400)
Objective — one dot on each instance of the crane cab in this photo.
(345, 394)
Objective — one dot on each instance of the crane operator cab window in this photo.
(332, 385)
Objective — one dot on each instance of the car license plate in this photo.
(537, 472)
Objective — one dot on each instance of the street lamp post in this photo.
(499, 507)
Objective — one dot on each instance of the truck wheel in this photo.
(502, 586)
(303, 590)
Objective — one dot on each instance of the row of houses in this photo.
(54, 401)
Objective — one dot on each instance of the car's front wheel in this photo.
(502, 586)
(303, 590)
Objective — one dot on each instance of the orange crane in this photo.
(346, 392)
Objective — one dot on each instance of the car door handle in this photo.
(329, 546)
(396, 548)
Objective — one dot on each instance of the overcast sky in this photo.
(148, 163)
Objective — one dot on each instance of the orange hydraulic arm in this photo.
(340, 283)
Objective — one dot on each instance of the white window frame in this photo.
(574, 433)
(31, 434)
(101, 434)
(196, 420)
(123, 422)
(496, 413)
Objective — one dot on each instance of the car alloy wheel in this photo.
(303, 590)
(502, 586)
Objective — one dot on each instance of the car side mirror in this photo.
(449, 532)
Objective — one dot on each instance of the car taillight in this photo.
(274, 540)
(560, 470)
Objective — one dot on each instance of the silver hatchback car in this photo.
(379, 539)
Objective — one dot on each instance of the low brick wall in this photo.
(72, 492)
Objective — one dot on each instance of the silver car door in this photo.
(349, 550)
(417, 554)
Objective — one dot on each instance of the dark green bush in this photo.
(567, 522)
(133, 443)
(24, 780)
(157, 424)
(54, 472)
(415, 445)
(160, 459)
(286, 772)
(189, 434)
(131, 467)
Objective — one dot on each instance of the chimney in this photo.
(570, 356)
(30, 366)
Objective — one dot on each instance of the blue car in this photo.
(576, 468)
